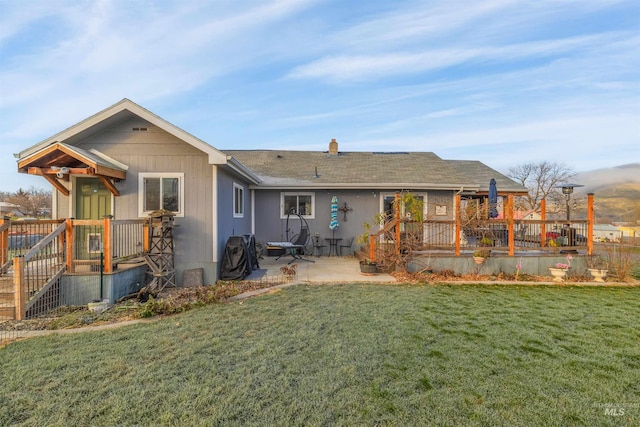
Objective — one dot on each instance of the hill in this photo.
(616, 190)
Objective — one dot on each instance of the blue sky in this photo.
(503, 82)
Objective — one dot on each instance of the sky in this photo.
(503, 82)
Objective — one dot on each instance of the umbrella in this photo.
(334, 214)
(493, 199)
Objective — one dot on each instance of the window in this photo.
(161, 191)
(238, 201)
(297, 203)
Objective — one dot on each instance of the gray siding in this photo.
(228, 225)
(365, 205)
(157, 151)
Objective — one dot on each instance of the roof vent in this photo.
(333, 147)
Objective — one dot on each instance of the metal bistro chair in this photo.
(347, 244)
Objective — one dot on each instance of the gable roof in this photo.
(357, 170)
(74, 157)
(56, 161)
(123, 110)
(116, 113)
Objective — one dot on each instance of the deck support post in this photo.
(543, 225)
(591, 217)
(69, 231)
(108, 245)
(20, 290)
(396, 216)
(4, 241)
(510, 225)
(458, 223)
(372, 248)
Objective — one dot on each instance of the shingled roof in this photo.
(352, 169)
(482, 174)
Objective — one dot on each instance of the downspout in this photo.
(253, 212)
(214, 213)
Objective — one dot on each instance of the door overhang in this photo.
(58, 161)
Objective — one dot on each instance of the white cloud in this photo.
(345, 68)
(492, 75)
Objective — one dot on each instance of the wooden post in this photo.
(69, 231)
(372, 248)
(146, 237)
(107, 245)
(396, 210)
(591, 217)
(458, 224)
(510, 225)
(543, 225)
(20, 288)
(4, 242)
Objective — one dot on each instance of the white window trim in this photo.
(143, 175)
(237, 214)
(283, 214)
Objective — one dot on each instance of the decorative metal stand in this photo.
(160, 257)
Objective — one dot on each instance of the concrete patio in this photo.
(334, 269)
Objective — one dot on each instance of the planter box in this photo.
(368, 268)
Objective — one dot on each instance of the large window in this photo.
(297, 203)
(238, 201)
(161, 191)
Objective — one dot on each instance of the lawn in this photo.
(346, 355)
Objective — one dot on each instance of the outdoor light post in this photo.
(567, 190)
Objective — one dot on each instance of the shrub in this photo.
(482, 253)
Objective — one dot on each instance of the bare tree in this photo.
(541, 179)
(32, 202)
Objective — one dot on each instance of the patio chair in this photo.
(297, 246)
(347, 244)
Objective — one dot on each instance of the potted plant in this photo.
(480, 255)
(368, 267)
(486, 242)
(597, 268)
(560, 269)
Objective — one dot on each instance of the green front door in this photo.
(93, 201)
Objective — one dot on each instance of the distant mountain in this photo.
(596, 179)
(616, 192)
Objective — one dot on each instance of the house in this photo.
(126, 162)
(607, 233)
(9, 209)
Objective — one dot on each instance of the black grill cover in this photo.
(250, 241)
(235, 263)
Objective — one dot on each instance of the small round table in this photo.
(333, 244)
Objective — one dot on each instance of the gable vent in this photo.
(139, 129)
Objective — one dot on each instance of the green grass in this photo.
(345, 355)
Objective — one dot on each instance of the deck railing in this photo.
(37, 275)
(461, 235)
(37, 253)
